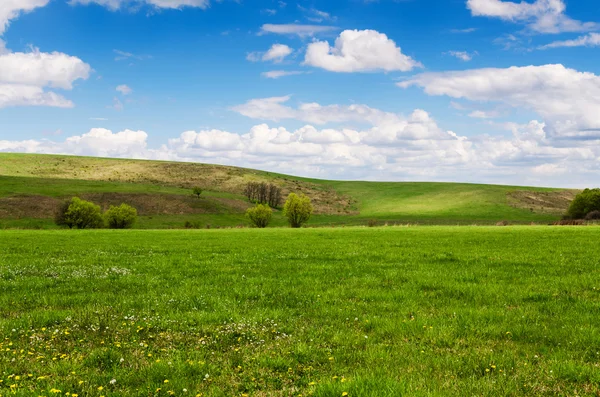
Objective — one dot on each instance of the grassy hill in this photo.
(31, 186)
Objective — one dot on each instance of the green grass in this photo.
(420, 311)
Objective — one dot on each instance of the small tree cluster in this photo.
(298, 210)
(80, 214)
(263, 193)
(260, 216)
(584, 203)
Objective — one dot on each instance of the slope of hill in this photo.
(31, 187)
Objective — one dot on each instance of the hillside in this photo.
(31, 186)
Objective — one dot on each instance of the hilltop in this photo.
(31, 186)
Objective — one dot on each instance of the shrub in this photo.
(372, 222)
(60, 217)
(121, 217)
(83, 214)
(584, 203)
(297, 209)
(593, 216)
(260, 216)
(192, 225)
(197, 191)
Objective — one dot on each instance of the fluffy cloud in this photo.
(359, 51)
(124, 89)
(567, 99)
(276, 53)
(589, 40)
(10, 9)
(97, 142)
(296, 29)
(544, 16)
(390, 148)
(173, 4)
(23, 77)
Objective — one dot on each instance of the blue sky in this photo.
(485, 91)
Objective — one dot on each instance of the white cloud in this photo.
(277, 53)
(462, 55)
(359, 51)
(10, 9)
(40, 69)
(567, 99)
(23, 77)
(124, 89)
(296, 29)
(172, 4)
(589, 40)
(543, 16)
(276, 74)
(392, 147)
(27, 95)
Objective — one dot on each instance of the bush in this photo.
(372, 222)
(197, 191)
(297, 209)
(121, 217)
(192, 225)
(83, 215)
(584, 203)
(260, 216)
(60, 217)
(593, 216)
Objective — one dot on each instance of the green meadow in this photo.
(387, 311)
(33, 186)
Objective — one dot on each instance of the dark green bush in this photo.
(584, 203)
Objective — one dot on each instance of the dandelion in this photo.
(166, 381)
(100, 388)
(113, 381)
(344, 394)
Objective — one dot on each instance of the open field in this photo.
(32, 186)
(422, 311)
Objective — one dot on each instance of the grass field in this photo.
(32, 186)
(421, 311)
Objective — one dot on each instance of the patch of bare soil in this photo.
(25, 206)
(167, 204)
(553, 202)
(28, 206)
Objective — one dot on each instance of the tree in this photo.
(60, 217)
(297, 209)
(260, 216)
(121, 217)
(83, 214)
(584, 203)
(197, 191)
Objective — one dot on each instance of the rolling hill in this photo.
(31, 187)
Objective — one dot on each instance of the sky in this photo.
(480, 91)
